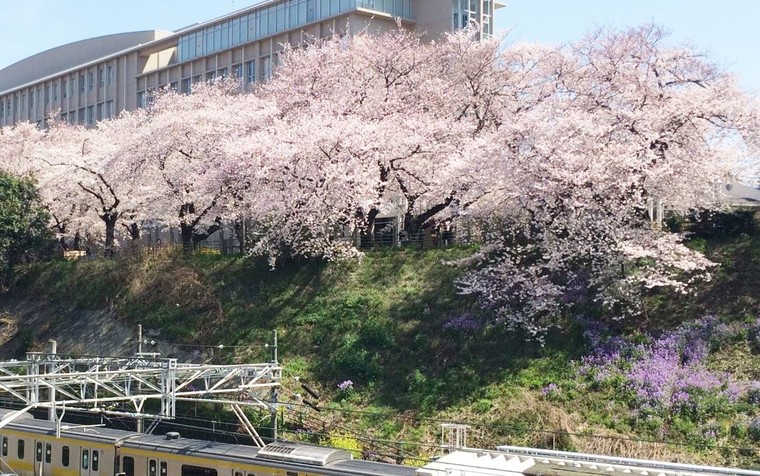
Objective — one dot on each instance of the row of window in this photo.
(90, 114)
(185, 86)
(274, 19)
(86, 462)
(154, 466)
(466, 11)
(50, 93)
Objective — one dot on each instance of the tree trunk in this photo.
(110, 220)
(187, 230)
(134, 231)
(240, 233)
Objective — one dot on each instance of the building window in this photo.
(266, 68)
(237, 71)
(109, 109)
(55, 92)
(63, 89)
(250, 72)
(88, 117)
(81, 83)
(210, 76)
(90, 80)
(186, 86)
(109, 74)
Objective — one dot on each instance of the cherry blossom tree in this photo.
(556, 156)
(175, 156)
(69, 163)
(618, 122)
(393, 114)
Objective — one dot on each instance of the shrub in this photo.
(665, 376)
(753, 430)
(753, 336)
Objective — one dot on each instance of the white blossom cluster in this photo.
(551, 154)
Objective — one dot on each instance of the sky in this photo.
(726, 31)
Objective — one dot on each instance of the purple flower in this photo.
(550, 389)
(465, 323)
(663, 373)
(346, 385)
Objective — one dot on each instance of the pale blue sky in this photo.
(726, 30)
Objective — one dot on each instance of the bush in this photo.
(753, 430)
(753, 336)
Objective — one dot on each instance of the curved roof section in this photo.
(75, 54)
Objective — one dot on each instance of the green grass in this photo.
(380, 323)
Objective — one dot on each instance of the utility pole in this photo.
(51, 370)
(139, 421)
(277, 376)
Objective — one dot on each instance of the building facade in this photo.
(95, 79)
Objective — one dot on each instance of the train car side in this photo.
(31, 447)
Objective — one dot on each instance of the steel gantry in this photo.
(107, 384)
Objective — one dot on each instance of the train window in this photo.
(190, 470)
(128, 466)
(48, 452)
(85, 459)
(237, 473)
(164, 468)
(291, 473)
(38, 451)
(65, 456)
(20, 450)
(152, 467)
(5, 446)
(95, 462)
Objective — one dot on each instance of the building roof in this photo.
(742, 195)
(70, 56)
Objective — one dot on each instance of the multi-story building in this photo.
(94, 79)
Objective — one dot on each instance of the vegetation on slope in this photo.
(395, 352)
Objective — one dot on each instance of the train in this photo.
(35, 447)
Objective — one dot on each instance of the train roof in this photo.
(281, 454)
(25, 421)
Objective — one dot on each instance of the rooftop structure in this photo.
(95, 79)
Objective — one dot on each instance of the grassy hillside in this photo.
(417, 354)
